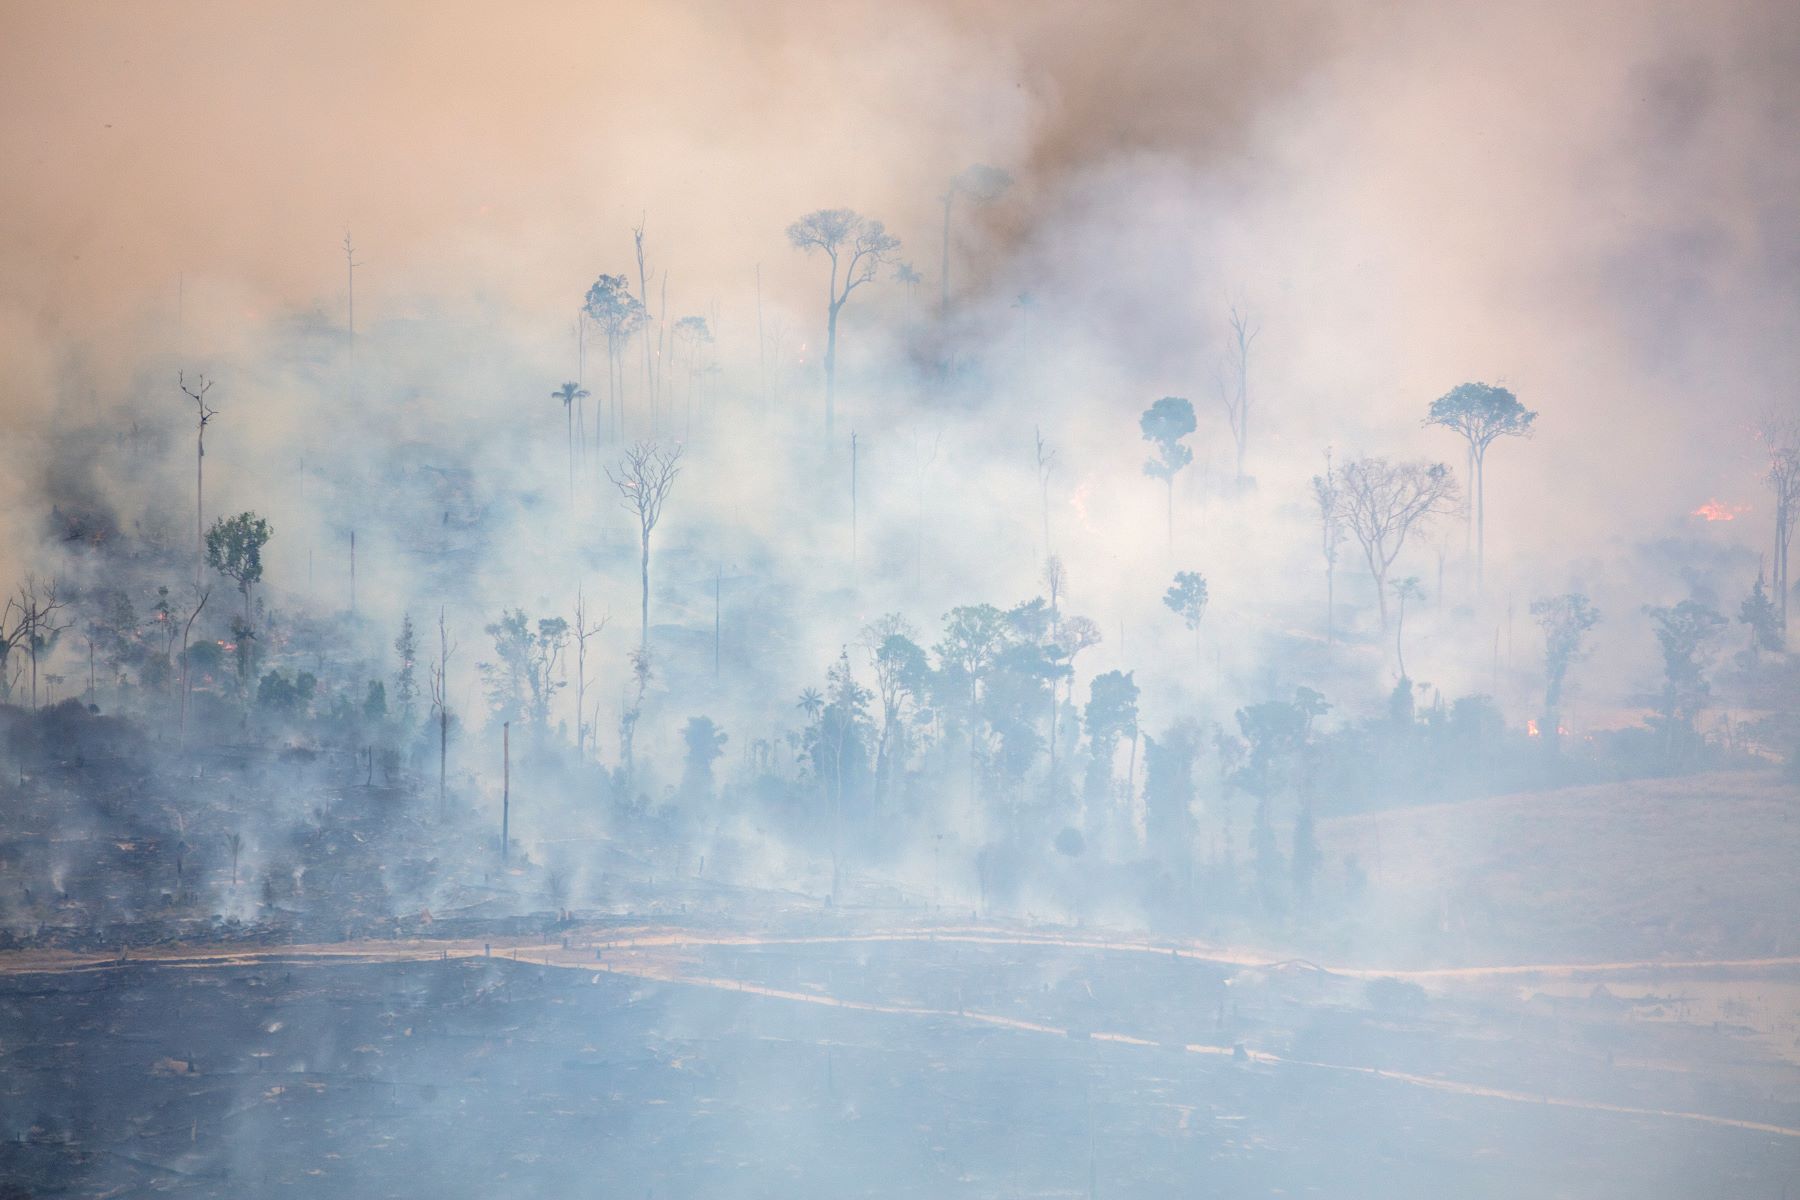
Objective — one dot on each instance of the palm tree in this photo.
(811, 703)
(571, 394)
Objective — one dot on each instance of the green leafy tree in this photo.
(406, 681)
(1164, 424)
(618, 314)
(704, 742)
(234, 547)
(974, 635)
(1014, 699)
(837, 747)
(1187, 600)
(902, 680)
(856, 247)
(1481, 413)
(1111, 713)
(526, 672)
(1169, 792)
(280, 693)
(1273, 731)
(1565, 620)
(1759, 613)
(1685, 633)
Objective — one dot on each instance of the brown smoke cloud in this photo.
(1591, 203)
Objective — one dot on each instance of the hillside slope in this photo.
(1697, 867)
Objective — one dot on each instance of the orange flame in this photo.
(1714, 510)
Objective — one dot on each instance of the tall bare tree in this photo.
(1481, 413)
(204, 414)
(1164, 424)
(1383, 502)
(857, 247)
(585, 629)
(650, 381)
(14, 629)
(1780, 436)
(350, 265)
(201, 595)
(644, 476)
(1234, 383)
(1327, 495)
(439, 676)
(35, 626)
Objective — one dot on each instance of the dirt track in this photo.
(655, 954)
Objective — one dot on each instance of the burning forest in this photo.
(915, 600)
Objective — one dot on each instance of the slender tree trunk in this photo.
(199, 503)
(1131, 783)
(1480, 518)
(612, 392)
(1784, 532)
(1399, 636)
(1469, 516)
(1379, 575)
(505, 789)
(662, 340)
(443, 754)
(644, 290)
(831, 323)
(644, 600)
(443, 702)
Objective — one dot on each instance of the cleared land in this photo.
(1704, 867)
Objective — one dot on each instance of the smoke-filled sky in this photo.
(1593, 204)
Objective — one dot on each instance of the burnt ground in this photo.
(488, 1077)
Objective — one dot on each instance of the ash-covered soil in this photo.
(489, 1077)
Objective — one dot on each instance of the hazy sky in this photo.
(1593, 203)
(1495, 185)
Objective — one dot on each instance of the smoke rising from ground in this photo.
(1593, 208)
